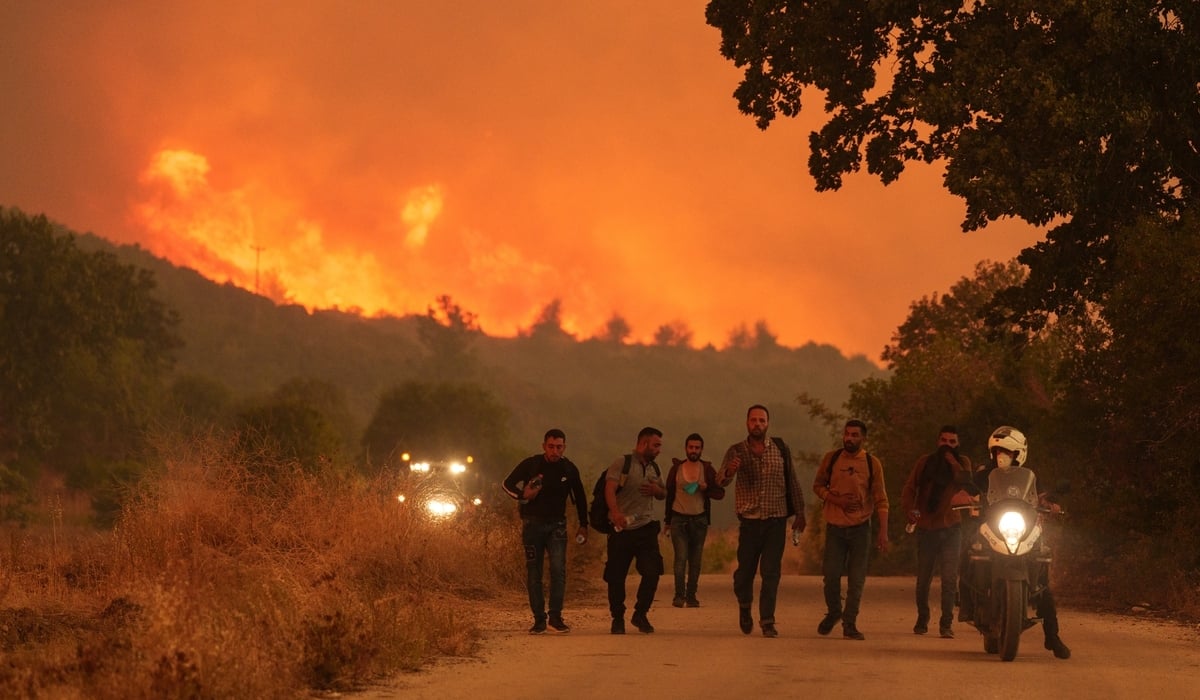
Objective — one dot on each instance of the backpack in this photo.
(598, 513)
(870, 469)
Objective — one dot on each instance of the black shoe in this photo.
(851, 632)
(678, 602)
(618, 626)
(539, 627)
(745, 621)
(691, 602)
(827, 624)
(769, 630)
(557, 624)
(946, 633)
(1061, 651)
(921, 627)
(639, 621)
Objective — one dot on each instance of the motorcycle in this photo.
(1008, 564)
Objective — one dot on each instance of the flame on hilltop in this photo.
(256, 240)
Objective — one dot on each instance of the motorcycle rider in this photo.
(1008, 448)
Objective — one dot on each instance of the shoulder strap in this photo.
(625, 470)
(829, 467)
(787, 471)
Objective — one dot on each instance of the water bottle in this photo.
(910, 528)
(795, 538)
(913, 516)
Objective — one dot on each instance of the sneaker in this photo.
(1061, 651)
(827, 624)
(691, 602)
(769, 630)
(640, 621)
(678, 602)
(745, 621)
(558, 625)
(851, 632)
(539, 627)
(946, 633)
(921, 627)
(618, 626)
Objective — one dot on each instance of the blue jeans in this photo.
(540, 537)
(760, 548)
(846, 552)
(938, 549)
(688, 533)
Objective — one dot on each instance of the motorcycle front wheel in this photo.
(1013, 619)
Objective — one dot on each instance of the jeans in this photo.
(688, 533)
(624, 547)
(846, 553)
(938, 548)
(760, 548)
(540, 537)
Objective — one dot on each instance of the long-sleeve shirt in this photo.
(560, 480)
(850, 474)
(919, 488)
(761, 490)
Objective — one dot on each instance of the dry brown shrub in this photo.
(228, 579)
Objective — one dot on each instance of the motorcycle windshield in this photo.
(1017, 483)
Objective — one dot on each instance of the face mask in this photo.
(691, 488)
(1004, 460)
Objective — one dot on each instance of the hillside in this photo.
(600, 393)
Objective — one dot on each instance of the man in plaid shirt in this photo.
(766, 495)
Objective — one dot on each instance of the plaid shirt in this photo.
(760, 491)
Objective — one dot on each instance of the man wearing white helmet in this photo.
(1008, 448)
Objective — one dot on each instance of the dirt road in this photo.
(701, 653)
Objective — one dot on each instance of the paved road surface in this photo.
(701, 653)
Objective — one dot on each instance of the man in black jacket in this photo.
(541, 484)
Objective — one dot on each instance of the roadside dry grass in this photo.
(220, 582)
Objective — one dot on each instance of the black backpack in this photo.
(598, 513)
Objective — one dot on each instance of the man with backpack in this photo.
(766, 495)
(632, 484)
(850, 482)
(541, 484)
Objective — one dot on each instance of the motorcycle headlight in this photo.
(1012, 529)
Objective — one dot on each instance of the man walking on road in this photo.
(542, 484)
(850, 482)
(630, 495)
(766, 495)
(926, 499)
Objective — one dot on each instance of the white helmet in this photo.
(1011, 439)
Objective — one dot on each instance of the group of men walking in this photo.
(767, 495)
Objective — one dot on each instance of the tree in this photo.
(438, 421)
(448, 333)
(673, 335)
(948, 366)
(548, 325)
(84, 348)
(1086, 114)
(616, 330)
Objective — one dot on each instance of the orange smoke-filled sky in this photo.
(375, 155)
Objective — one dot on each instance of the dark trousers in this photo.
(760, 549)
(938, 549)
(688, 533)
(624, 547)
(847, 550)
(541, 537)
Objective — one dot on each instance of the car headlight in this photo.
(458, 468)
(439, 508)
(1012, 529)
